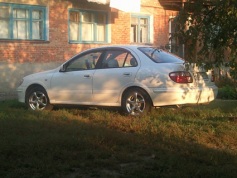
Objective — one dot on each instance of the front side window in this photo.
(22, 22)
(83, 62)
(87, 26)
(139, 29)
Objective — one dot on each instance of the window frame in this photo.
(139, 17)
(95, 25)
(30, 20)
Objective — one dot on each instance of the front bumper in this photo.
(21, 94)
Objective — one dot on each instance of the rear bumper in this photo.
(179, 96)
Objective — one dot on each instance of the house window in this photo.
(140, 29)
(87, 26)
(22, 22)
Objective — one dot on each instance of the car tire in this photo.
(136, 102)
(37, 99)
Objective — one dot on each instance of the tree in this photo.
(209, 30)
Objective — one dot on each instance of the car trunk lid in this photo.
(201, 76)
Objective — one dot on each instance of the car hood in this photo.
(40, 74)
(42, 78)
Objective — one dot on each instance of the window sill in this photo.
(22, 41)
(87, 42)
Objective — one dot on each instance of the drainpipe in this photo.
(183, 46)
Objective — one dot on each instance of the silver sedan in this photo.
(135, 78)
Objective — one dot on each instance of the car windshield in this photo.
(160, 56)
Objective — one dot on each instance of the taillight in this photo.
(212, 76)
(181, 77)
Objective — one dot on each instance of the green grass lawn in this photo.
(197, 141)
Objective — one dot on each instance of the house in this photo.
(38, 35)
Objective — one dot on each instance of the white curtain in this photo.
(37, 25)
(143, 34)
(74, 31)
(4, 32)
(100, 33)
(36, 31)
(87, 32)
(21, 29)
(20, 26)
(4, 22)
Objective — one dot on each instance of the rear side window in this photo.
(117, 58)
(160, 56)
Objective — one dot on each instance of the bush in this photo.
(224, 81)
(227, 92)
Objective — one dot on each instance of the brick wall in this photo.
(161, 29)
(120, 27)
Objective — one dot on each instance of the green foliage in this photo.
(197, 141)
(226, 89)
(224, 81)
(208, 28)
(227, 92)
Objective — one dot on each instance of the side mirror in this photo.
(62, 68)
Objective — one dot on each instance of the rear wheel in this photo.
(136, 102)
(37, 99)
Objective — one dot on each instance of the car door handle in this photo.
(127, 74)
(87, 76)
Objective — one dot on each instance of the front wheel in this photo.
(37, 99)
(136, 102)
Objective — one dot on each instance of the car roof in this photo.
(125, 46)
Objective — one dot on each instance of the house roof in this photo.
(176, 5)
(172, 4)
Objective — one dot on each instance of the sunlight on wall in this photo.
(123, 5)
(100, 1)
(126, 6)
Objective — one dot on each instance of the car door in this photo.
(73, 83)
(118, 70)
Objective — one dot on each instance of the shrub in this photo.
(225, 81)
(227, 92)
